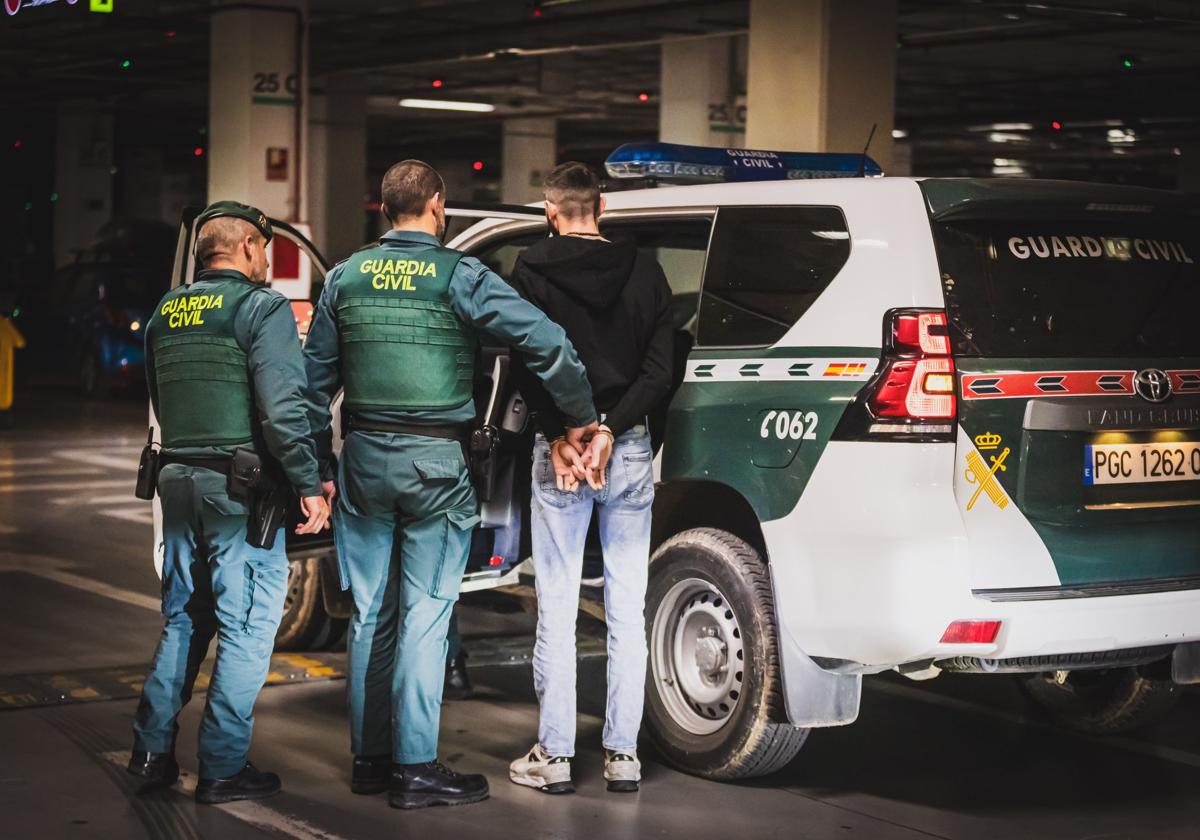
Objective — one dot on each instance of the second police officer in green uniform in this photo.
(224, 369)
(396, 327)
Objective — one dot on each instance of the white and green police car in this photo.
(921, 425)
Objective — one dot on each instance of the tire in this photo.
(305, 624)
(714, 698)
(1102, 702)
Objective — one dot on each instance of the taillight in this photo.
(913, 395)
(971, 633)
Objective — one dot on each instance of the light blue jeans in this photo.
(214, 584)
(559, 531)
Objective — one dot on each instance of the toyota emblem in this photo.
(1152, 385)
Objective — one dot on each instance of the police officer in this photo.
(397, 326)
(224, 368)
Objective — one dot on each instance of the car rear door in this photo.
(1076, 334)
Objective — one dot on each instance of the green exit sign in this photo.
(104, 6)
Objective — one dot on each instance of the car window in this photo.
(1120, 285)
(766, 266)
(679, 246)
(501, 255)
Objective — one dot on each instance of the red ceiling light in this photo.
(198, 151)
(437, 83)
(171, 33)
(643, 97)
(477, 166)
(1056, 125)
(17, 144)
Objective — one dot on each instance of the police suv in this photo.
(921, 425)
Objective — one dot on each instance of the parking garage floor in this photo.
(958, 757)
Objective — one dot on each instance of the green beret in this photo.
(237, 210)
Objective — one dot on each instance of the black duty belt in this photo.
(219, 463)
(460, 432)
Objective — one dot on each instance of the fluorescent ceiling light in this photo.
(448, 105)
(1007, 137)
(1002, 126)
(899, 133)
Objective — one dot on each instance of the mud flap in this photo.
(339, 603)
(813, 696)
(1185, 664)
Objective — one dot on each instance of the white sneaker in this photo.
(622, 771)
(539, 770)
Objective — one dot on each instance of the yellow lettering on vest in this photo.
(379, 282)
(365, 267)
(408, 284)
(430, 270)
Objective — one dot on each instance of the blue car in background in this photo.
(104, 299)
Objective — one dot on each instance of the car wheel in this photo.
(714, 698)
(1102, 702)
(306, 625)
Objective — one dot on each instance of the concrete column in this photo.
(338, 164)
(820, 73)
(83, 178)
(529, 153)
(257, 133)
(700, 104)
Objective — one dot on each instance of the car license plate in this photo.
(1140, 463)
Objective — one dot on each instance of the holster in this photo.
(265, 491)
(148, 465)
(484, 461)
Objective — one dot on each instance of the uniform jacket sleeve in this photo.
(322, 372)
(481, 298)
(277, 373)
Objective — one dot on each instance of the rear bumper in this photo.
(871, 576)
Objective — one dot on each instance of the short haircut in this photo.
(221, 237)
(574, 188)
(407, 188)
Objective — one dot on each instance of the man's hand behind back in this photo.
(568, 465)
(596, 457)
(316, 513)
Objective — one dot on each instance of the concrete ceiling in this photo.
(963, 68)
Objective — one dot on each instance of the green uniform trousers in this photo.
(213, 583)
(403, 521)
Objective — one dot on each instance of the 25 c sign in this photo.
(269, 83)
(790, 425)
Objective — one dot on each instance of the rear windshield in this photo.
(1091, 288)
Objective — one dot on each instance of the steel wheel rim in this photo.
(292, 598)
(697, 656)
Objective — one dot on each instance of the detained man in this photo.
(614, 304)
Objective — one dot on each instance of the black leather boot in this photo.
(458, 684)
(157, 769)
(432, 783)
(248, 783)
(371, 774)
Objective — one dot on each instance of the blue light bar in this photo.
(705, 164)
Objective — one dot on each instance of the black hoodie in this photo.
(615, 306)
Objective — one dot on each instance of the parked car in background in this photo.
(98, 305)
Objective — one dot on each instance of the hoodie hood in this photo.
(589, 270)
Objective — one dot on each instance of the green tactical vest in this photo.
(402, 345)
(204, 396)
